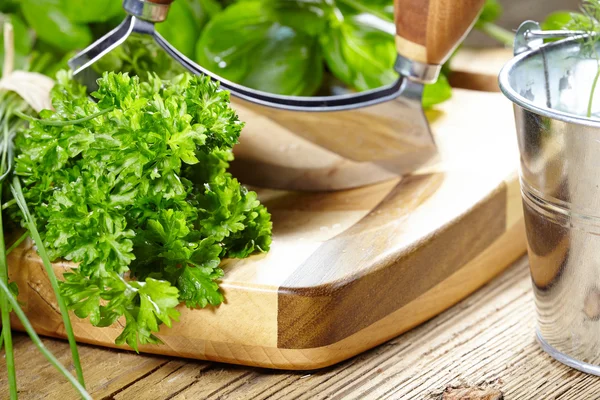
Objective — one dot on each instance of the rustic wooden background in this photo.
(486, 342)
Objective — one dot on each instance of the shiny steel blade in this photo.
(387, 125)
(394, 134)
(82, 62)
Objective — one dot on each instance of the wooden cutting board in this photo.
(275, 150)
(351, 269)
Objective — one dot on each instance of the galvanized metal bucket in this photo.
(550, 85)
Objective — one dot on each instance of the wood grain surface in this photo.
(349, 269)
(469, 70)
(281, 149)
(316, 151)
(486, 340)
(301, 322)
(429, 30)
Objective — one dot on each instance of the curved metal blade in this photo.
(81, 65)
(386, 126)
(300, 103)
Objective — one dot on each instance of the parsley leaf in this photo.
(136, 183)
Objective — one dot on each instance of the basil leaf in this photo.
(186, 20)
(290, 65)
(557, 20)
(359, 54)
(383, 9)
(490, 13)
(205, 9)
(91, 10)
(9, 6)
(437, 92)
(53, 26)
(180, 29)
(308, 16)
(247, 44)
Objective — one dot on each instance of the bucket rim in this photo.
(516, 98)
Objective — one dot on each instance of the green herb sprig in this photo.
(11, 105)
(587, 21)
(7, 294)
(139, 189)
(7, 102)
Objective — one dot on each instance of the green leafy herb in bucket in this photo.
(588, 21)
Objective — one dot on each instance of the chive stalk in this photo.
(6, 333)
(53, 122)
(38, 342)
(8, 204)
(17, 192)
(4, 301)
(17, 242)
(10, 106)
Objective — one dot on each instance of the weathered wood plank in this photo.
(106, 371)
(487, 340)
(170, 378)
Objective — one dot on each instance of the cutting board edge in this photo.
(322, 314)
(501, 254)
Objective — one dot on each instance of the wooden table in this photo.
(486, 340)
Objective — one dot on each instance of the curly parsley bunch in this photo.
(136, 183)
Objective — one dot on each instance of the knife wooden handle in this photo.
(429, 30)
